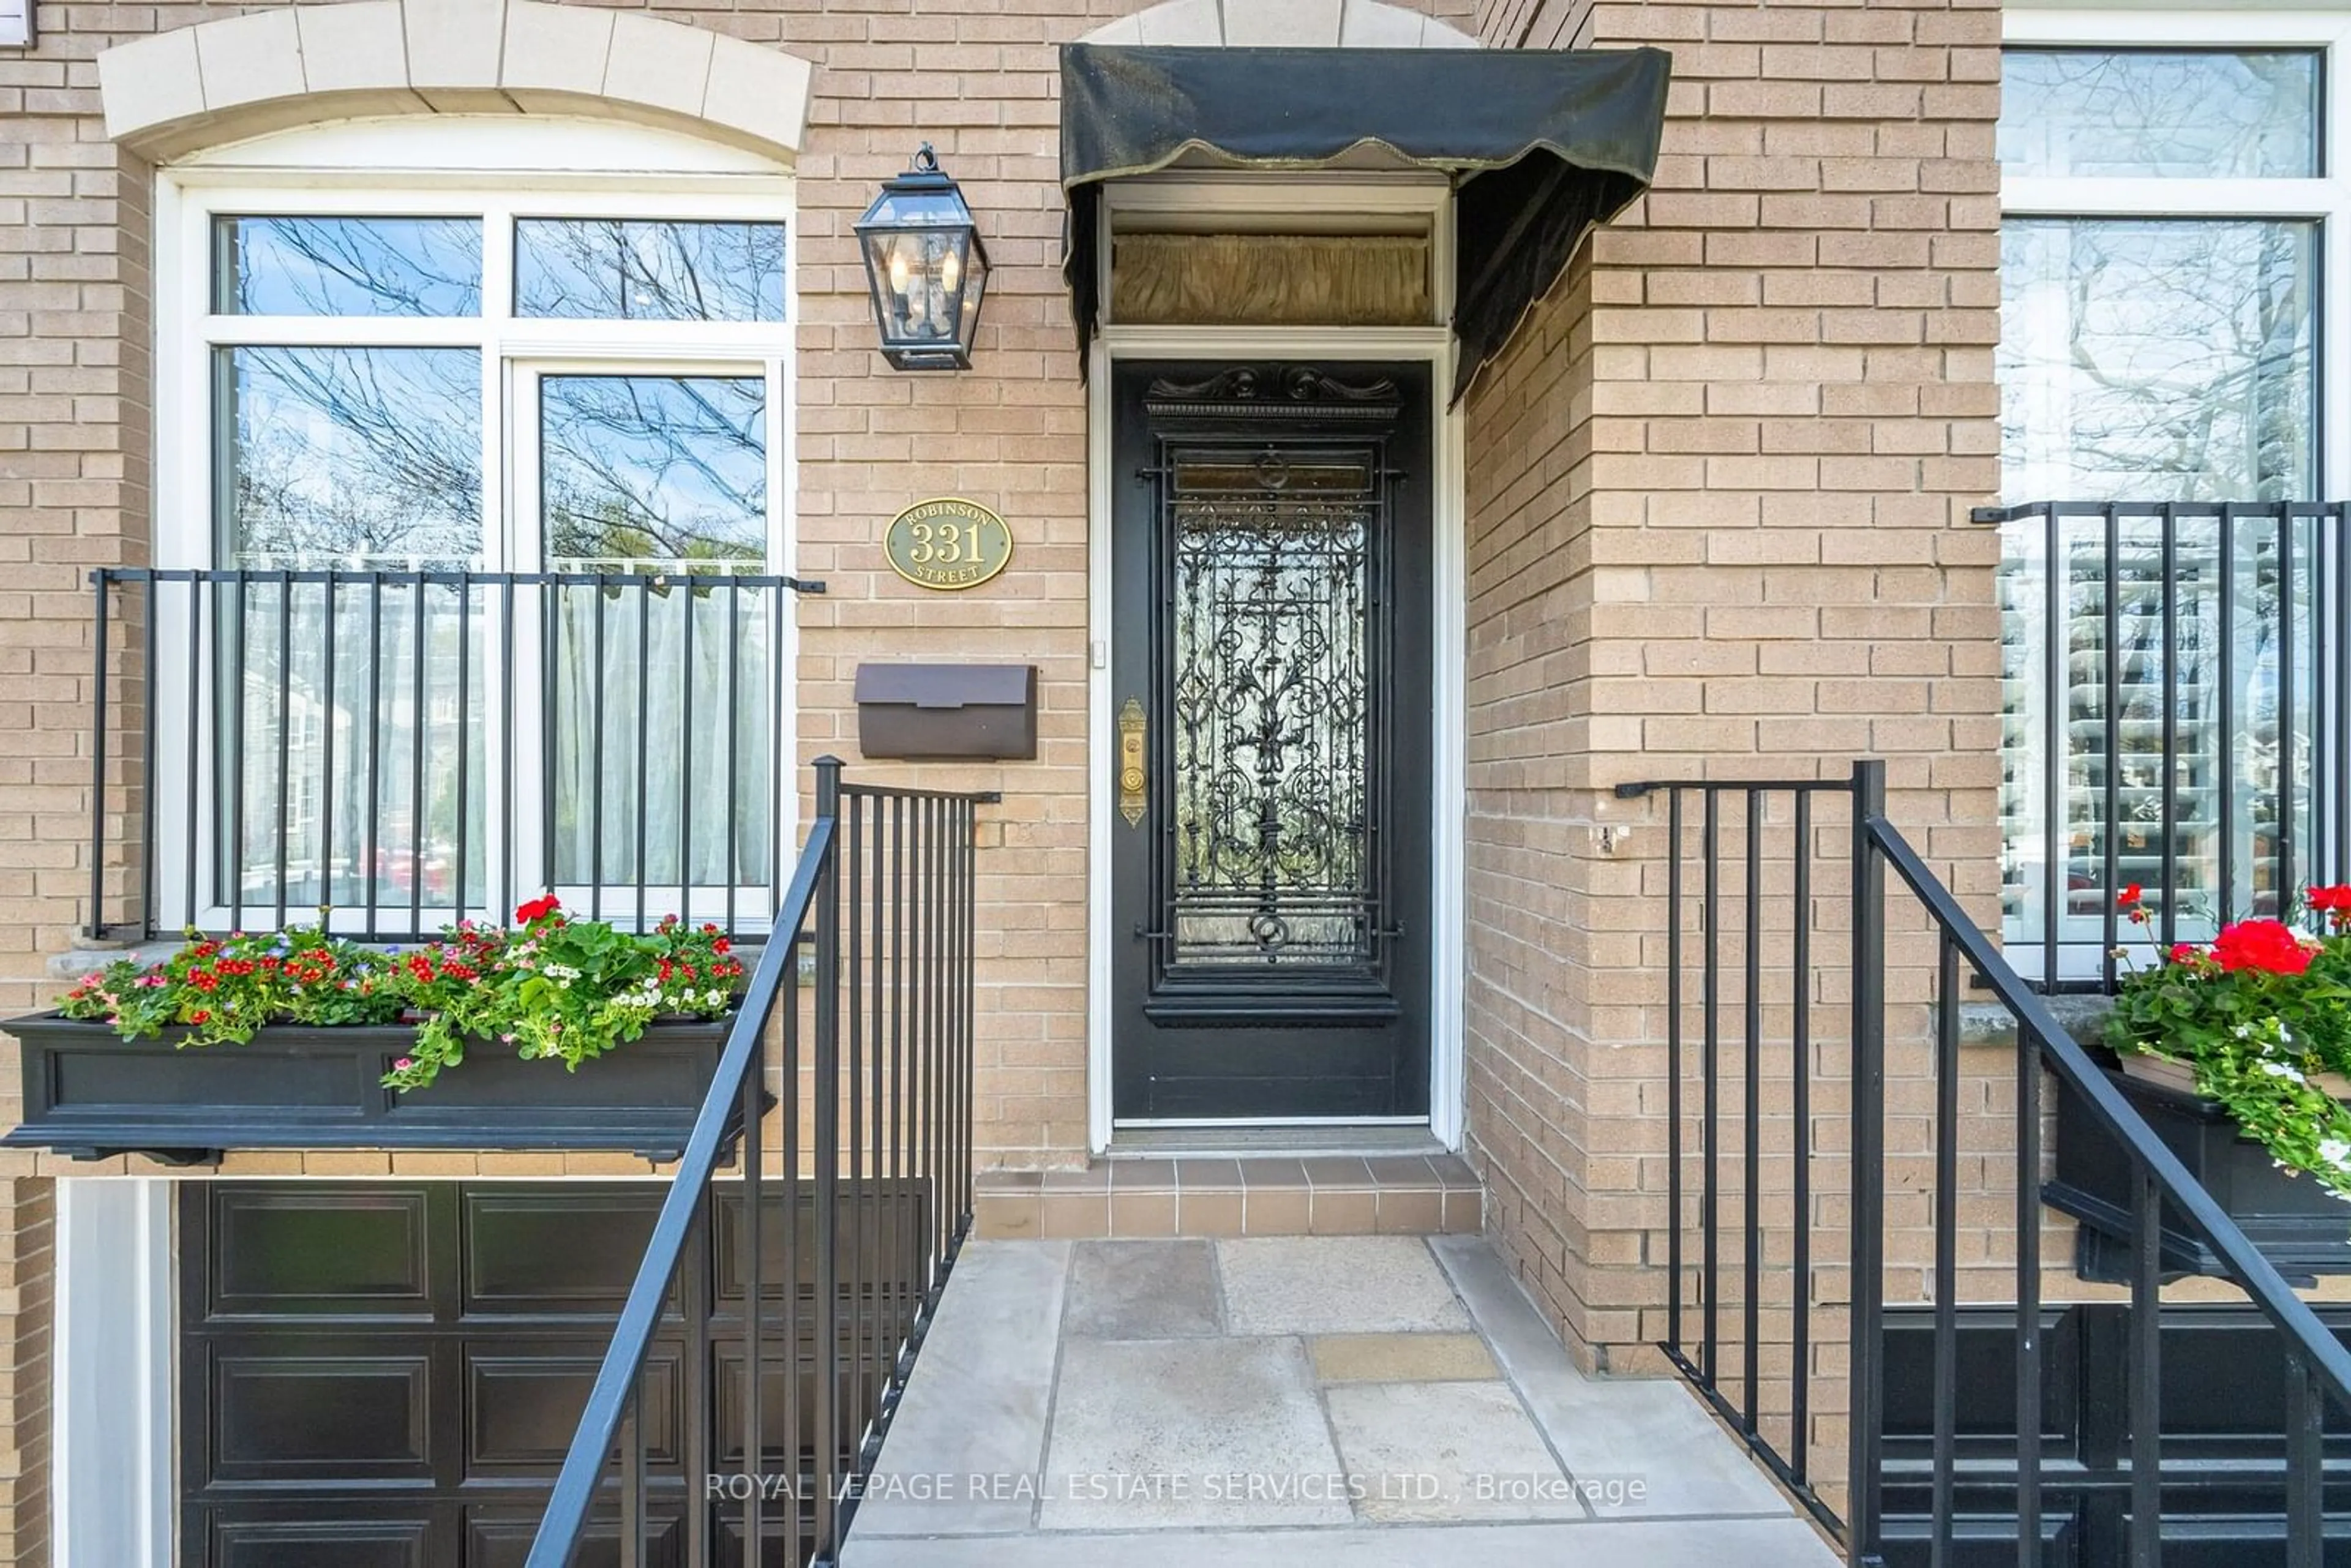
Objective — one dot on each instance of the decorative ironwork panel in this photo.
(1274, 734)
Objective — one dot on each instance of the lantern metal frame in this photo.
(925, 185)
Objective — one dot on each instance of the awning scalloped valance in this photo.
(1544, 144)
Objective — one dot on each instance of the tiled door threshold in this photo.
(1224, 1194)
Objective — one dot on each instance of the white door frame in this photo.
(1432, 345)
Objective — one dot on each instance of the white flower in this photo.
(2244, 1031)
(2283, 1034)
(2334, 1152)
(2280, 1069)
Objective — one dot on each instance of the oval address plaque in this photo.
(948, 543)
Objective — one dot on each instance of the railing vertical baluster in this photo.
(97, 926)
(1946, 1230)
(962, 978)
(1709, 1087)
(853, 919)
(1673, 1068)
(2171, 694)
(2305, 1458)
(2146, 1374)
(771, 708)
(235, 680)
(2283, 878)
(602, 680)
(509, 774)
(754, 1221)
(687, 740)
(198, 829)
(2227, 759)
(2056, 702)
(326, 751)
(1800, 1035)
(966, 984)
(1867, 1323)
(372, 845)
(285, 735)
(632, 1480)
(826, 1136)
(796, 1322)
(907, 1104)
(1752, 1131)
(151, 881)
(555, 649)
(464, 707)
(734, 860)
(930, 880)
(420, 726)
(644, 804)
(696, 1420)
(920, 957)
(2028, 1299)
(883, 1309)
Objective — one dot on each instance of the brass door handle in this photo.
(1133, 789)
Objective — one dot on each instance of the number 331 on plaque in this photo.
(948, 543)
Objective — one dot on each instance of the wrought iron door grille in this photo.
(1275, 738)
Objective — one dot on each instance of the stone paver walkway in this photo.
(1371, 1401)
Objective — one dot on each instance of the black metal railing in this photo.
(2178, 710)
(405, 749)
(805, 1301)
(1923, 1159)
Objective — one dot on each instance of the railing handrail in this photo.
(2020, 511)
(448, 576)
(577, 1482)
(2248, 1269)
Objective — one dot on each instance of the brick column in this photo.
(1718, 501)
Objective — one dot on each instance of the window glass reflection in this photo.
(346, 266)
(624, 269)
(348, 457)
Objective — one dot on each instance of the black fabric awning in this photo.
(1544, 144)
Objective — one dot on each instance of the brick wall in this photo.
(1719, 528)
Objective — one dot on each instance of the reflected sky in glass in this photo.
(2157, 360)
(617, 269)
(655, 469)
(2164, 114)
(346, 266)
(350, 456)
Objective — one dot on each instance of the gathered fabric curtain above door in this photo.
(1543, 144)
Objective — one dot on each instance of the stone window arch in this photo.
(1289, 24)
(219, 81)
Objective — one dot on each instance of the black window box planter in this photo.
(2297, 1225)
(89, 1093)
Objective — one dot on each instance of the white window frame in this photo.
(502, 170)
(2325, 200)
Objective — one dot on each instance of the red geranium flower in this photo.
(538, 909)
(2335, 900)
(2263, 944)
(2184, 953)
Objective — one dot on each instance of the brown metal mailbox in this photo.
(937, 711)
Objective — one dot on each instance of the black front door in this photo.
(1270, 665)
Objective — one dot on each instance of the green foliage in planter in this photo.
(2255, 1015)
(551, 987)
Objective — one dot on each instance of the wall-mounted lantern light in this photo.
(926, 269)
